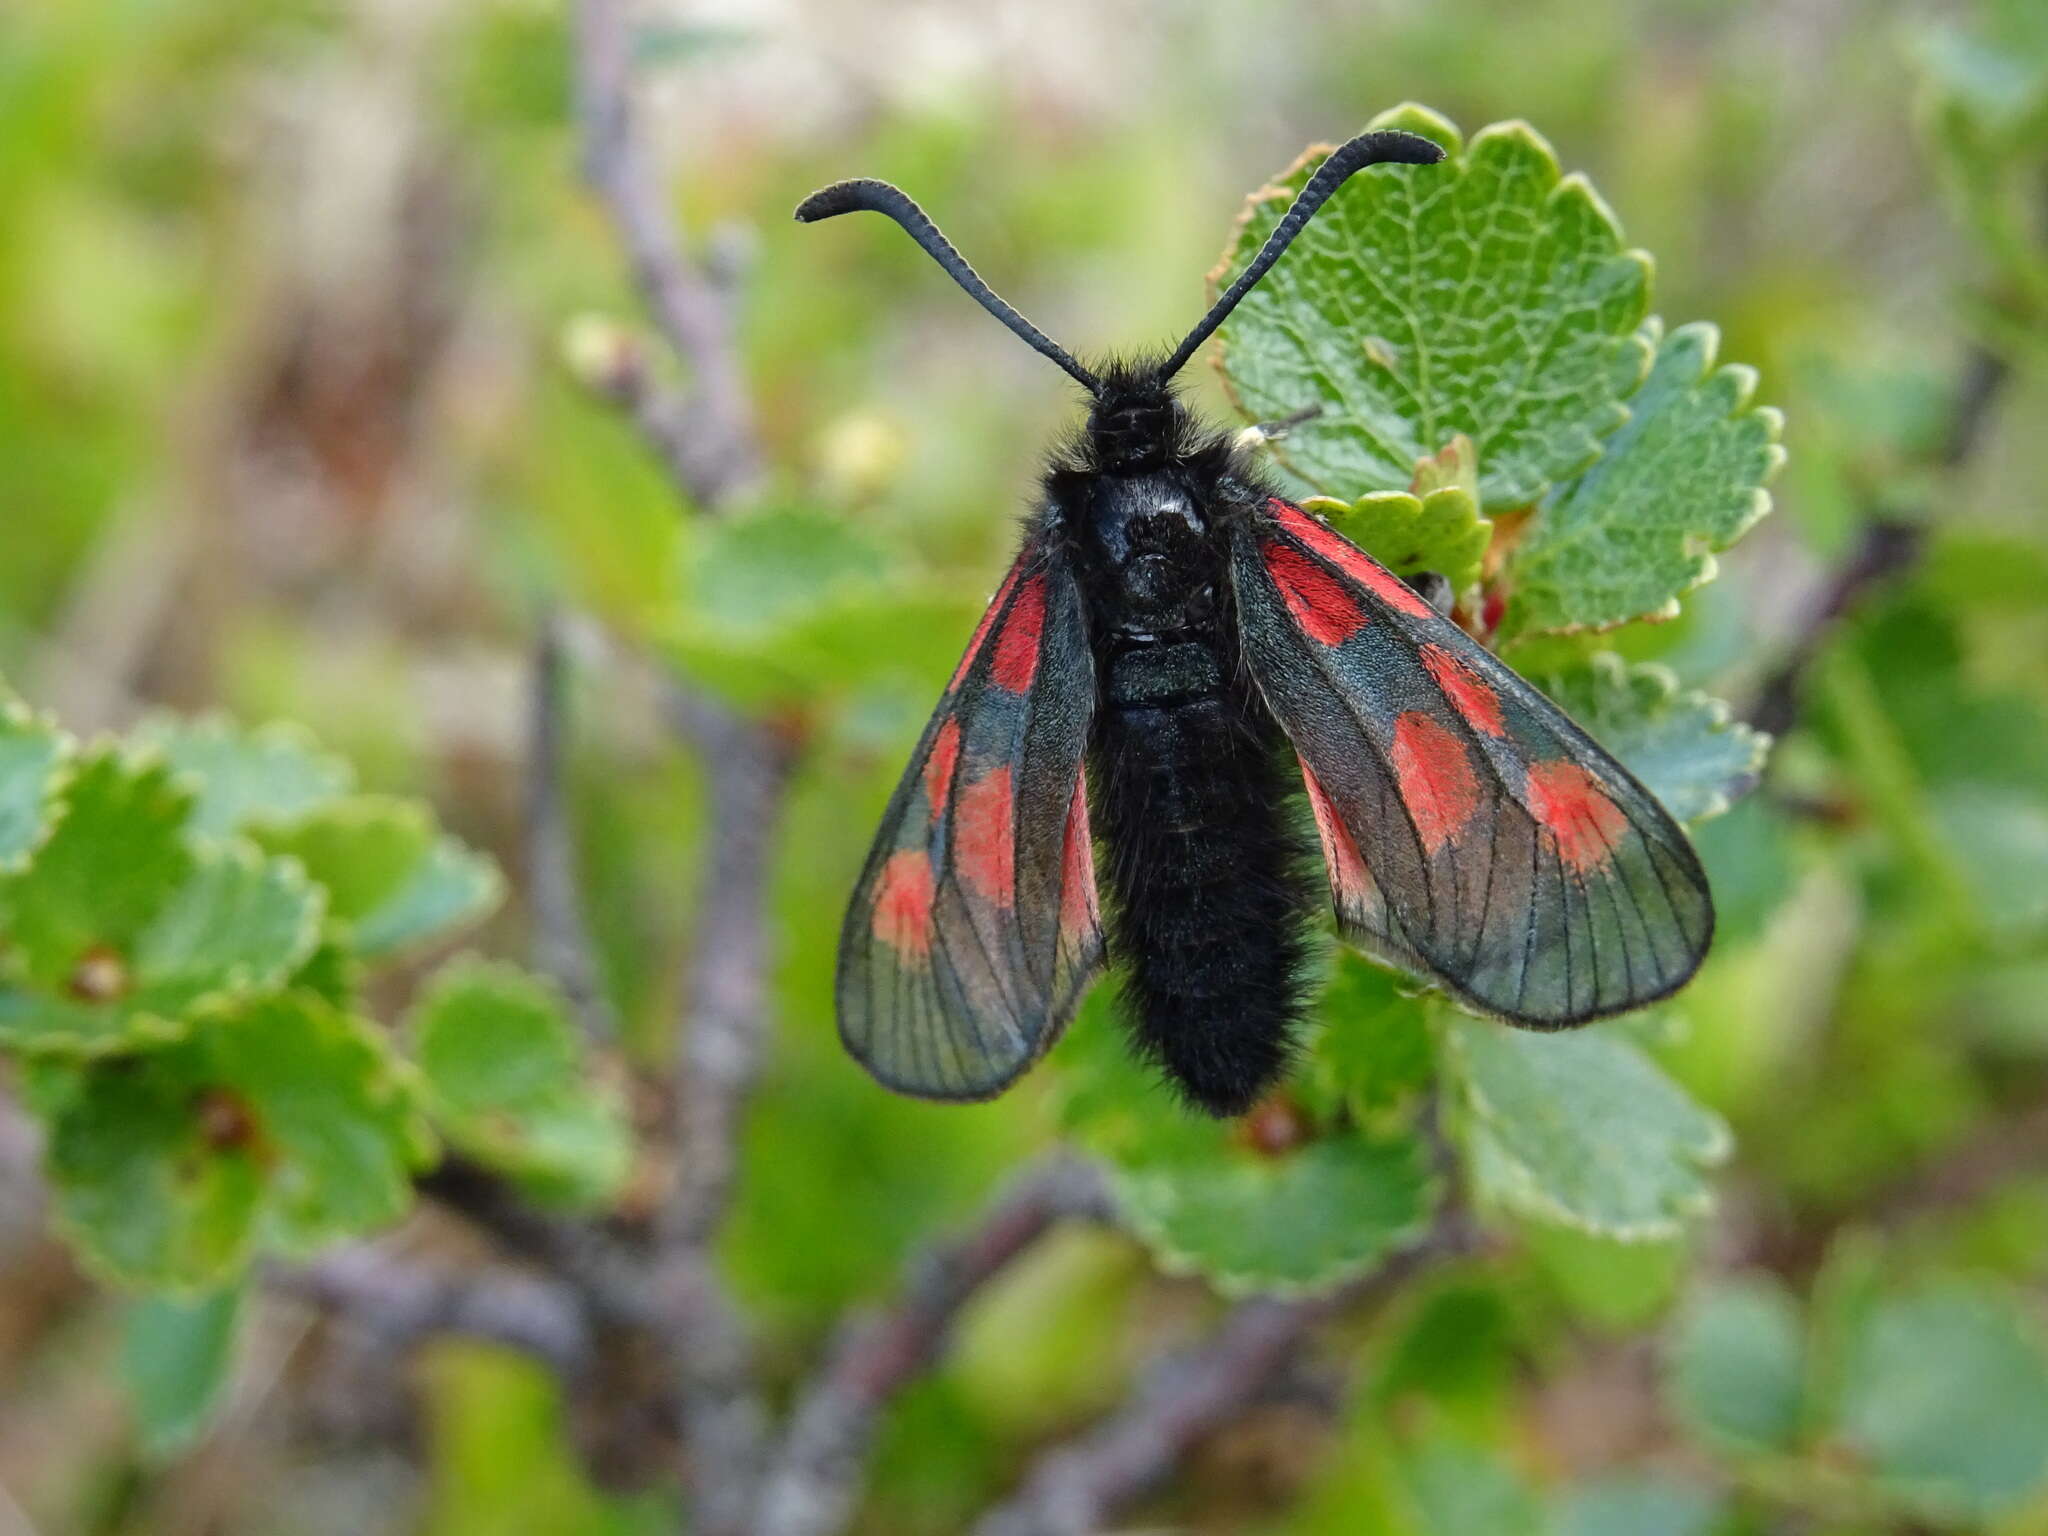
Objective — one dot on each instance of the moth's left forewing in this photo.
(1473, 833)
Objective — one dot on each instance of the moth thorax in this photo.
(1133, 434)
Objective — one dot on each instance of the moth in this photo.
(1178, 657)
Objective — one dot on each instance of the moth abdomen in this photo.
(1210, 890)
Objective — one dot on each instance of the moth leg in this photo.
(1434, 588)
(1273, 431)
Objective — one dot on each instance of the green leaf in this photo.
(243, 777)
(1611, 1284)
(1206, 1200)
(505, 1080)
(1737, 1365)
(149, 1174)
(101, 964)
(1685, 746)
(1996, 72)
(503, 1456)
(1683, 479)
(1489, 296)
(1371, 1048)
(1583, 1129)
(32, 757)
(1408, 534)
(791, 603)
(1749, 864)
(451, 888)
(393, 880)
(277, 1122)
(332, 973)
(362, 849)
(1638, 1504)
(177, 1356)
(1998, 838)
(116, 856)
(1464, 1490)
(1300, 1221)
(1945, 1393)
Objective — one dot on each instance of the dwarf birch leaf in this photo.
(276, 1122)
(1685, 746)
(177, 1355)
(452, 887)
(1945, 1394)
(1583, 1129)
(242, 777)
(505, 1079)
(1409, 534)
(1489, 295)
(1684, 478)
(32, 757)
(1207, 1201)
(1737, 1365)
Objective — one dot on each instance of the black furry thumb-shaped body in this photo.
(1178, 658)
(1193, 789)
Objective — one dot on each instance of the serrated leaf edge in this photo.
(1183, 1263)
(1459, 156)
(1721, 718)
(1745, 379)
(473, 968)
(1714, 1150)
(492, 897)
(149, 1029)
(58, 779)
(217, 725)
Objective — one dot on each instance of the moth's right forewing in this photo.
(974, 928)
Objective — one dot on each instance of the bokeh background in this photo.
(293, 298)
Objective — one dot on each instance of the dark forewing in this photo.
(1472, 832)
(974, 928)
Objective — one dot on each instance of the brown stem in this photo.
(816, 1478)
(723, 1420)
(403, 1303)
(1889, 547)
(562, 946)
(708, 439)
(1086, 1484)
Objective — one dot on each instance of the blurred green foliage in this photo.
(211, 929)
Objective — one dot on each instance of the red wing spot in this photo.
(1340, 853)
(985, 840)
(1572, 807)
(988, 617)
(1016, 660)
(1078, 911)
(938, 768)
(1319, 603)
(1350, 559)
(903, 905)
(1437, 783)
(1469, 694)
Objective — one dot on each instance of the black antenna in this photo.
(868, 195)
(1380, 148)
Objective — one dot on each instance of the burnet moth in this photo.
(1176, 657)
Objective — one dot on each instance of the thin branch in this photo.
(707, 438)
(562, 946)
(605, 1267)
(1889, 547)
(1084, 1485)
(403, 1303)
(724, 1423)
(812, 1488)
